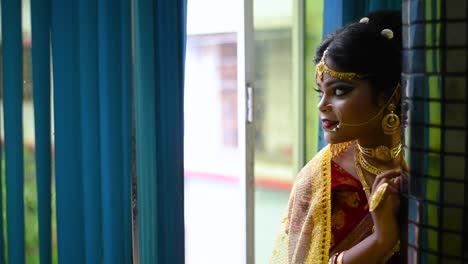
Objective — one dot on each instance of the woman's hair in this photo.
(361, 48)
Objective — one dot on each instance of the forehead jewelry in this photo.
(322, 68)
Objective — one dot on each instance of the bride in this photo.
(344, 203)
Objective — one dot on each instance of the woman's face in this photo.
(346, 103)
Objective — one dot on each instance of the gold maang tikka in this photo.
(322, 68)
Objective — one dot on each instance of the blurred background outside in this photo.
(213, 204)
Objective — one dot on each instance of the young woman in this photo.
(344, 204)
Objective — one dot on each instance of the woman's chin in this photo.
(332, 137)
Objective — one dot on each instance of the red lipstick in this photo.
(329, 124)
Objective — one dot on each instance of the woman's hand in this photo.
(387, 231)
(376, 247)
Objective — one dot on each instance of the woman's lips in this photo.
(329, 124)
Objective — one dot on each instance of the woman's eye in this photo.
(341, 91)
(319, 92)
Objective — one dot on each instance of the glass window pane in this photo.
(212, 157)
(275, 117)
(279, 112)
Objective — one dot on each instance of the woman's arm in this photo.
(370, 250)
(377, 246)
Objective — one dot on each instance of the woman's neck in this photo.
(381, 139)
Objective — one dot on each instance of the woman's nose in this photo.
(323, 106)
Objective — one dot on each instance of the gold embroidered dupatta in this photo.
(306, 230)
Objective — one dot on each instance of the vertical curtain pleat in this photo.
(12, 103)
(110, 103)
(68, 162)
(170, 34)
(89, 80)
(40, 22)
(332, 18)
(92, 96)
(384, 4)
(159, 67)
(145, 130)
(338, 13)
(127, 125)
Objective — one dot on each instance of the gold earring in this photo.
(391, 121)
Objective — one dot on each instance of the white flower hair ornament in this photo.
(387, 33)
(364, 20)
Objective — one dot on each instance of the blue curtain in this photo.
(338, 13)
(110, 98)
(90, 127)
(40, 22)
(91, 73)
(12, 107)
(159, 74)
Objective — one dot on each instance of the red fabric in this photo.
(349, 203)
(349, 206)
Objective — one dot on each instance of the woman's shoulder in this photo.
(312, 168)
(323, 154)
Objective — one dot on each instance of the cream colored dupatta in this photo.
(306, 230)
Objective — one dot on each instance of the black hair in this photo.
(361, 48)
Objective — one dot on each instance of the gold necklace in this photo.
(336, 149)
(366, 189)
(367, 166)
(382, 153)
(365, 186)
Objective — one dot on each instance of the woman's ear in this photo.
(382, 100)
(395, 98)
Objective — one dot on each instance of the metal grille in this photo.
(436, 141)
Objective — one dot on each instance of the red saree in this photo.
(327, 213)
(350, 220)
(349, 209)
